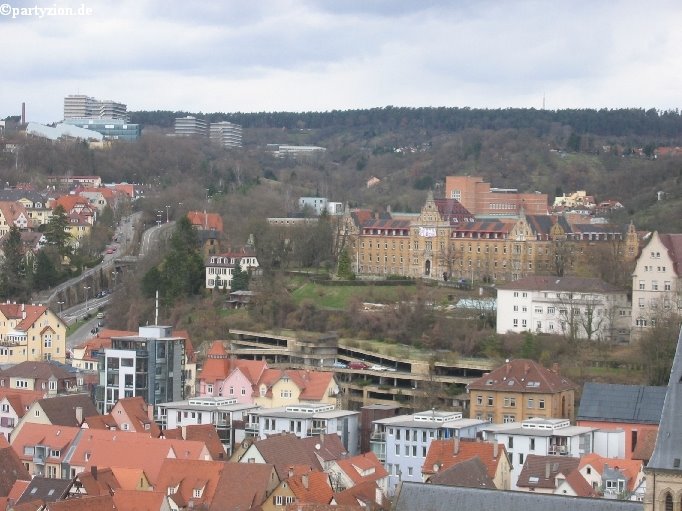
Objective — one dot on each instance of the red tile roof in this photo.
(243, 486)
(446, 453)
(139, 500)
(363, 495)
(200, 432)
(19, 399)
(206, 221)
(183, 477)
(471, 473)
(311, 487)
(630, 468)
(523, 375)
(367, 464)
(138, 411)
(313, 385)
(540, 467)
(581, 487)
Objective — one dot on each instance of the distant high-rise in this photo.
(80, 106)
(190, 127)
(226, 134)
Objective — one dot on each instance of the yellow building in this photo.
(521, 389)
(30, 332)
(277, 387)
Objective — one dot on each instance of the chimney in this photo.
(79, 415)
(184, 432)
(455, 446)
(93, 471)
(322, 438)
(547, 470)
(150, 412)
(496, 450)
(555, 367)
(304, 479)
(291, 471)
(23, 112)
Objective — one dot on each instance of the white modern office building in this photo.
(190, 127)
(226, 134)
(80, 106)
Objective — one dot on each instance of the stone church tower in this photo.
(664, 470)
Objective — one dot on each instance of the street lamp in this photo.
(167, 208)
(87, 288)
(158, 217)
(115, 274)
(60, 308)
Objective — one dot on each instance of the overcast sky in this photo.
(298, 55)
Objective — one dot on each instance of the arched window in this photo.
(668, 502)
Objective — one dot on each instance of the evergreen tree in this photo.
(345, 270)
(46, 274)
(240, 278)
(13, 277)
(55, 230)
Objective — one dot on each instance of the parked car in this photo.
(377, 367)
(357, 365)
(340, 365)
(110, 251)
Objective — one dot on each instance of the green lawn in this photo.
(337, 297)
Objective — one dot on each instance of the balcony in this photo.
(378, 436)
(251, 427)
(558, 450)
(316, 431)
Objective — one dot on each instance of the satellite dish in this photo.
(317, 446)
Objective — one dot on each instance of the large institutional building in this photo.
(446, 241)
(80, 106)
(226, 134)
(480, 199)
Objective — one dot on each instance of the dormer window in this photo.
(197, 493)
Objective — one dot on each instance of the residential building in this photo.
(209, 228)
(471, 473)
(49, 378)
(86, 356)
(11, 470)
(13, 406)
(189, 484)
(226, 134)
(80, 106)
(150, 364)
(128, 414)
(220, 267)
(575, 307)
(634, 408)
(447, 453)
(320, 205)
(521, 389)
(541, 437)
(69, 181)
(13, 214)
(305, 420)
(371, 413)
(656, 280)
(220, 412)
(401, 442)
(33, 203)
(62, 452)
(67, 411)
(222, 376)
(30, 333)
(664, 469)
(287, 450)
(205, 433)
(481, 199)
(545, 474)
(101, 481)
(305, 487)
(282, 387)
(614, 478)
(356, 470)
(243, 486)
(577, 199)
(190, 127)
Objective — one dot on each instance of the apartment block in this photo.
(226, 134)
(190, 127)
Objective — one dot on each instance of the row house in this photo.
(220, 267)
(576, 307)
(30, 333)
(305, 420)
(401, 442)
(61, 452)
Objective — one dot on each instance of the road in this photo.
(152, 236)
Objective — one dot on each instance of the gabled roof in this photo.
(312, 486)
(56, 437)
(20, 399)
(433, 497)
(26, 313)
(138, 411)
(11, 468)
(206, 221)
(361, 495)
(630, 468)
(561, 284)
(637, 404)
(287, 449)
(313, 385)
(471, 473)
(139, 500)
(367, 464)
(61, 410)
(205, 433)
(450, 209)
(46, 489)
(536, 470)
(185, 476)
(446, 453)
(37, 370)
(243, 486)
(668, 451)
(581, 487)
(673, 242)
(98, 503)
(523, 375)
(217, 364)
